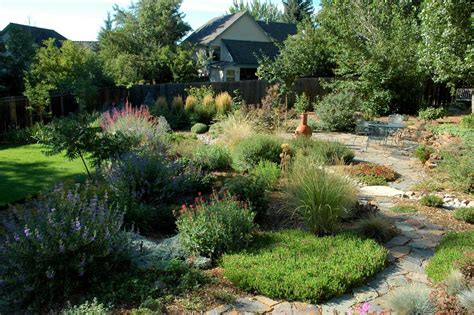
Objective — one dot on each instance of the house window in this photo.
(248, 74)
(230, 75)
(216, 54)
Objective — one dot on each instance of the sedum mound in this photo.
(452, 248)
(296, 265)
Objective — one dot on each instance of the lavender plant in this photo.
(59, 244)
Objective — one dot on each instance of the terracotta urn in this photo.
(303, 129)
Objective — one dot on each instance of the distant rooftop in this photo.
(39, 34)
(212, 29)
(246, 52)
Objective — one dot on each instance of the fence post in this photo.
(472, 100)
(13, 117)
(62, 105)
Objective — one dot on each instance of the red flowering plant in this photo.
(216, 226)
(136, 122)
(373, 173)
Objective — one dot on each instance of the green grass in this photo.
(296, 265)
(25, 170)
(451, 249)
(403, 209)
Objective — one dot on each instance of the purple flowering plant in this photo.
(59, 243)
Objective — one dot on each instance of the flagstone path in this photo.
(409, 251)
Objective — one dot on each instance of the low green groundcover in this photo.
(452, 248)
(296, 265)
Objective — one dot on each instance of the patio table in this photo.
(378, 130)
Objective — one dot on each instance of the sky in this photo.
(81, 20)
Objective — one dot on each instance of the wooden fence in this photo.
(252, 91)
(14, 112)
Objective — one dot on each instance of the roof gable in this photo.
(246, 52)
(278, 31)
(212, 29)
(39, 34)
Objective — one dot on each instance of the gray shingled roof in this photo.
(209, 31)
(278, 31)
(244, 52)
(39, 34)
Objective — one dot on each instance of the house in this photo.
(38, 34)
(234, 41)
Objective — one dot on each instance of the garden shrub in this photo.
(26, 135)
(199, 128)
(137, 286)
(250, 151)
(377, 228)
(466, 299)
(411, 300)
(136, 123)
(295, 265)
(200, 104)
(175, 115)
(465, 214)
(432, 201)
(215, 227)
(451, 249)
(336, 111)
(144, 183)
(58, 245)
(92, 308)
(423, 153)
(248, 189)
(302, 104)
(459, 168)
(223, 102)
(232, 128)
(266, 172)
(370, 173)
(432, 113)
(318, 198)
(322, 152)
(212, 158)
(468, 121)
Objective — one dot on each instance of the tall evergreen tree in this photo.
(297, 10)
(260, 10)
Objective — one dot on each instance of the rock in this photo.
(282, 308)
(381, 191)
(418, 277)
(411, 266)
(397, 281)
(265, 300)
(404, 227)
(219, 310)
(340, 304)
(200, 262)
(399, 251)
(398, 240)
(364, 294)
(379, 285)
(247, 305)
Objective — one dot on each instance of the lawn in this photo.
(25, 170)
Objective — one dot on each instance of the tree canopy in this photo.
(447, 49)
(296, 11)
(260, 10)
(140, 46)
(16, 54)
(70, 69)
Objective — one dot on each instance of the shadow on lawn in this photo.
(19, 181)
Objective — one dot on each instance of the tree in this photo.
(447, 50)
(374, 44)
(136, 49)
(261, 11)
(15, 57)
(69, 69)
(297, 10)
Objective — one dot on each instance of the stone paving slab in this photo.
(398, 240)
